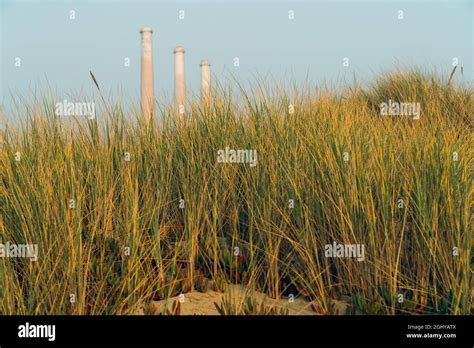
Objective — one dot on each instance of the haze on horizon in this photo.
(57, 52)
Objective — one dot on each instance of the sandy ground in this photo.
(199, 303)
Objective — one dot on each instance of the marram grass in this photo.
(156, 215)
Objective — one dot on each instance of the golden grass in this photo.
(135, 204)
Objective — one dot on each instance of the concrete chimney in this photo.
(179, 82)
(205, 81)
(147, 92)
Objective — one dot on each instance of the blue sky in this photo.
(58, 51)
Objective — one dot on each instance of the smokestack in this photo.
(205, 81)
(147, 93)
(179, 82)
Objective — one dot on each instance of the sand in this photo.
(203, 303)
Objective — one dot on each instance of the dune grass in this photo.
(171, 217)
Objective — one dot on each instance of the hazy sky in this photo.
(54, 48)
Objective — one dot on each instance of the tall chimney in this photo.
(179, 82)
(147, 93)
(205, 81)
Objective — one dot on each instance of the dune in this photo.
(206, 303)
